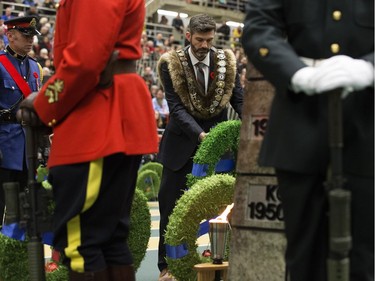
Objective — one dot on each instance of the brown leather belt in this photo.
(113, 67)
(124, 66)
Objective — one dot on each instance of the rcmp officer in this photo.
(94, 103)
(19, 76)
(305, 49)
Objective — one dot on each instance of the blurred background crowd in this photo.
(163, 31)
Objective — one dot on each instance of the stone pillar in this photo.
(257, 242)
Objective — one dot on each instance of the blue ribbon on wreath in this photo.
(14, 231)
(177, 252)
(223, 166)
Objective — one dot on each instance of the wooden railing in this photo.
(22, 8)
(224, 9)
(152, 29)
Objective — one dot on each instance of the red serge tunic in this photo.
(88, 122)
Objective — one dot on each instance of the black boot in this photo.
(89, 276)
(121, 273)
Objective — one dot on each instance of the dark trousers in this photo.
(93, 202)
(172, 186)
(305, 206)
(7, 175)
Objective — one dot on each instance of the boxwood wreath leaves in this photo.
(149, 182)
(221, 139)
(153, 166)
(13, 253)
(140, 228)
(206, 199)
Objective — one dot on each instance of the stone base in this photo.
(256, 255)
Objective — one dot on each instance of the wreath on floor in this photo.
(13, 253)
(148, 181)
(140, 228)
(206, 199)
(153, 166)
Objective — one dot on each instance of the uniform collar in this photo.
(14, 54)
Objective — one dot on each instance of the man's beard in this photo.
(201, 53)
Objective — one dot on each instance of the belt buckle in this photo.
(6, 115)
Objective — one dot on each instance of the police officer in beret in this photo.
(19, 76)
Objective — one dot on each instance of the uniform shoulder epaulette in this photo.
(34, 59)
(40, 71)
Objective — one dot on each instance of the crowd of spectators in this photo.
(158, 37)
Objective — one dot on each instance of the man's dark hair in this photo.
(201, 23)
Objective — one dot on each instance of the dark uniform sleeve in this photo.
(236, 100)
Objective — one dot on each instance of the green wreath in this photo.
(140, 228)
(206, 199)
(149, 182)
(222, 138)
(13, 253)
(154, 166)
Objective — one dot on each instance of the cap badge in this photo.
(33, 23)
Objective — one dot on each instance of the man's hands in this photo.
(336, 72)
(202, 136)
(26, 113)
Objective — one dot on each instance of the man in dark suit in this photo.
(194, 108)
(305, 49)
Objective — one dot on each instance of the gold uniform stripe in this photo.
(93, 185)
(74, 226)
(74, 240)
(41, 72)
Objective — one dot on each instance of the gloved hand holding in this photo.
(26, 113)
(301, 80)
(343, 72)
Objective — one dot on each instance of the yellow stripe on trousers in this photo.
(74, 225)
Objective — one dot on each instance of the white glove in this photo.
(301, 80)
(343, 72)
